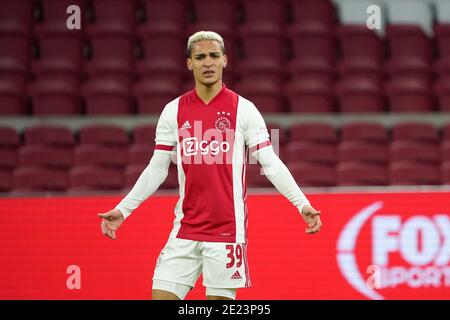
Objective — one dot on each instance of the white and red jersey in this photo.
(212, 142)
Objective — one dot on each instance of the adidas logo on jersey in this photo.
(186, 125)
(236, 275)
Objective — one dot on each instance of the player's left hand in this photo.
(312, 219)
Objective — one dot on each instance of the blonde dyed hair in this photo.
(204, 35)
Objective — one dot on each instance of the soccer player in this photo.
(212, 129)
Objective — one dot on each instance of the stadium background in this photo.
(361, 117)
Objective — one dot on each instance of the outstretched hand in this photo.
(111, 221)
(312, 219)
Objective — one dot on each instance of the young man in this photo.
(212, 130)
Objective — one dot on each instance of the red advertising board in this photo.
(371, 246)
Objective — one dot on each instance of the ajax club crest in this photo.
(223, 122)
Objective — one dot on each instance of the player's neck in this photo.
(207, 93)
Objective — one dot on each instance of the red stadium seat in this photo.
(445, 172)
(420, 132)
(144, 134)
(40, 179)
(360, 67)
(108, 96)
(414, 152)
(311, 152)
(256, 177)
(265, 93)
(442, 89)
(313, 132)
(265, 17)
(409, 66)
(46, 156)
(85, 178)
(446, 132)
(8, 158)
(9, 138)
(153, 95)
(15, 54)
(114, 16)
(140, 153)
(108, 135)
(52, 96)
(219, 14)
(364, 132)
(442, 36)
(310, 67)
(313, 175)
(407, 173)
(51, 135)
(100, 155)
(6, 180)
(166, 17)
(361, 174)
(360, 95)
(359, 41)
(445, 151)
(16, 17)
(361, 151)
(406, 94)
(317, 43)
(319, 13)
(13, 97)
(54, 16)
(310, 95)
(406, 40)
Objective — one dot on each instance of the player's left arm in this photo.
(280, 176)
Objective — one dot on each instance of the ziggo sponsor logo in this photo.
(420, 245)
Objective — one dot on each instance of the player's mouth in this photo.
(208, 73)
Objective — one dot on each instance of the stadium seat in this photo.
(9, 138)
(100, 155)
(360, 94)
(361, 174)
(408, 41)
(8, 158)
(445, 151)
(264, 93)
(365, 132)
(310, 67)
(51, 135)
(445, 172)
(108, 135)
(442, 90)
(153, 95)
(217, 15)
(360, 67)
(163, 57)
(114, 16)
(317, 13)
(264, 17)
(256, 177)
(313, 132)
(108, 96)
(144, 134)
(52, 96)
(313, 175)
(85, 178)
(446, 132)
(13, 98)
(46, 156)
(6, 180)
(15, 54)
(410, 173)
(40, 179)
(16, 17)
(313, 43)
(409, 67)
(415, 131)
(311, 152)
(140, 153)
(361, 151)
(166, 17)
(54, 16)
(310, 95)
(406, 94)
(414, 152)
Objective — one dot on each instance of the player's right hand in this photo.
(111, 221)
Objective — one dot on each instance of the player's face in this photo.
(206, 62)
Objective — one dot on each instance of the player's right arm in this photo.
(151, 178)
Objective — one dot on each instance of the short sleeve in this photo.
(255, 132)
(166, 129)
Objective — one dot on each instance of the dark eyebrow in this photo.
(199, 55)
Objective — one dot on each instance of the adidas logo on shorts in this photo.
(236, 275)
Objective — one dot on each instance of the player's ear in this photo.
(225, 60)
(189, 64)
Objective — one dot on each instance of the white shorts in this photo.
(224, 265)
